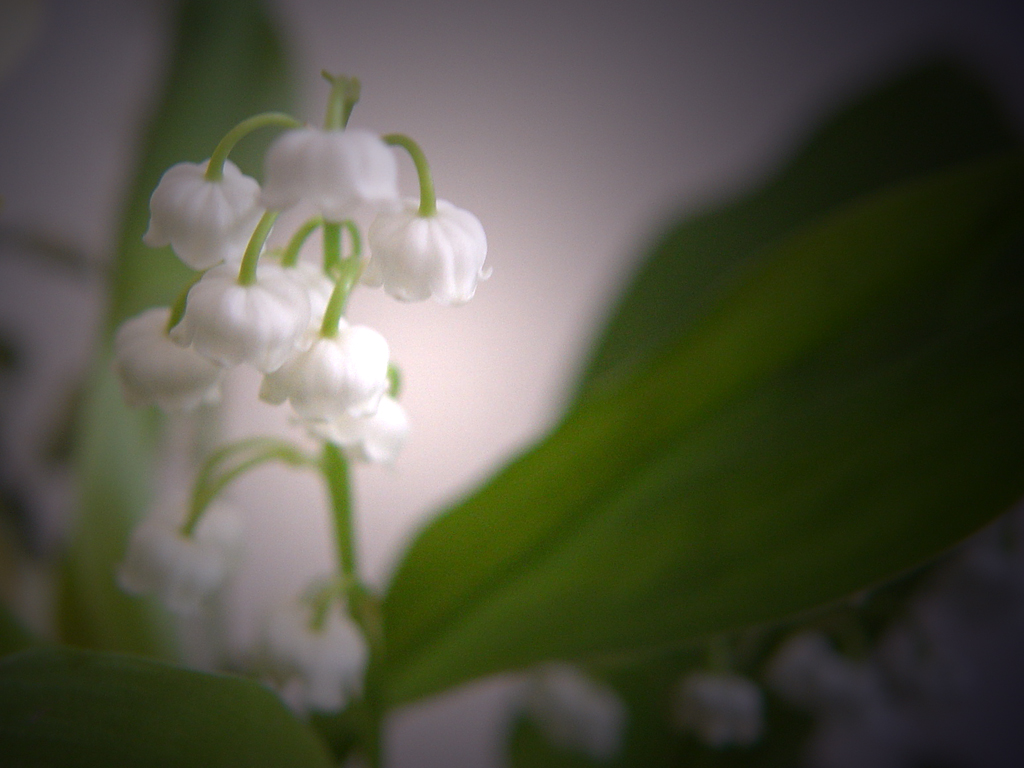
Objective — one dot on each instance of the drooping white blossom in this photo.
(721, 709)
(808, 672)
(205, 222)
(576, 712)
(258, 324)
(342, 374)
(315, 668)
(415, 257)
(377, 438)
(182, 571)
(154, 369)
(335, 170)
(319, 288)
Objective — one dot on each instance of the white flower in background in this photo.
(377, 439)
(334, 170)
(315, 668)
(722, 709)
(808, 672)
(319, 288)
(415, 257)
(182, 571)
(205, 222)
(345, 373)
(154, 369)
(258, 324)
(576, 712)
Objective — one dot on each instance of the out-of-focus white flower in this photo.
(576, 712)
(336, 171)
(258, 324)
(182, 571)
(722, 709)
(154, 369)
(345, 373)
(205, 222)
(808, 672)
(319, 288)
(378, 438)
(315, 668)
(415, 257)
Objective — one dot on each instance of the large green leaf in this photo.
(227, 65)
(849, 406)
(932, 117)
(80, 708)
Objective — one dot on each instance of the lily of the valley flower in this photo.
(182, 571)
(808, 672)
(154, 369)
(258, 324)
(415, 257)
(377, 439)
(205, 222)
(315, 667)
(722, 709)
(334, 170)
(339, 374)
(576, 712)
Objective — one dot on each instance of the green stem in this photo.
(291, 253)
(178, 307)
(213, 477)
(344, 95)
(335, 470)
(332, 247)
(247, 272)
(347, 270)
(215, 168)
(428, 202)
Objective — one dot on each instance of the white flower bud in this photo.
(345, 373)
(258, 324)
(315, 669)
(182, 571)
(808, 672)
(378, 438)
(154, 369)
(336, 171)
(576, 712)
(415, 257)
(722, 709)
(205, 222)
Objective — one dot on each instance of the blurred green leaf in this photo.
(80, 708)
(848, 407)
(934, 116)
(13, 634)
(227, 65)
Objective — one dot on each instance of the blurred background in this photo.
(574, 130)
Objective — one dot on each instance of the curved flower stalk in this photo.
(576, 712)
(205, 221)
(153, 369)
(721, 709)
(183, 569)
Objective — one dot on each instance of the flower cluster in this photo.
(284, 316)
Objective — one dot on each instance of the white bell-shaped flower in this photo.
(258, 324)
(808, 672)
(315, 668)
(344, 373)
(182, 571)
(334, 170)
(722, 709)
(154, 369)
(205, 222)
(377, 439)
(576, 712)
(415, 257)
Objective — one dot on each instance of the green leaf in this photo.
(13, 635)
(80, 708)
(934, 116)
(227, 65)
(848, 407)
